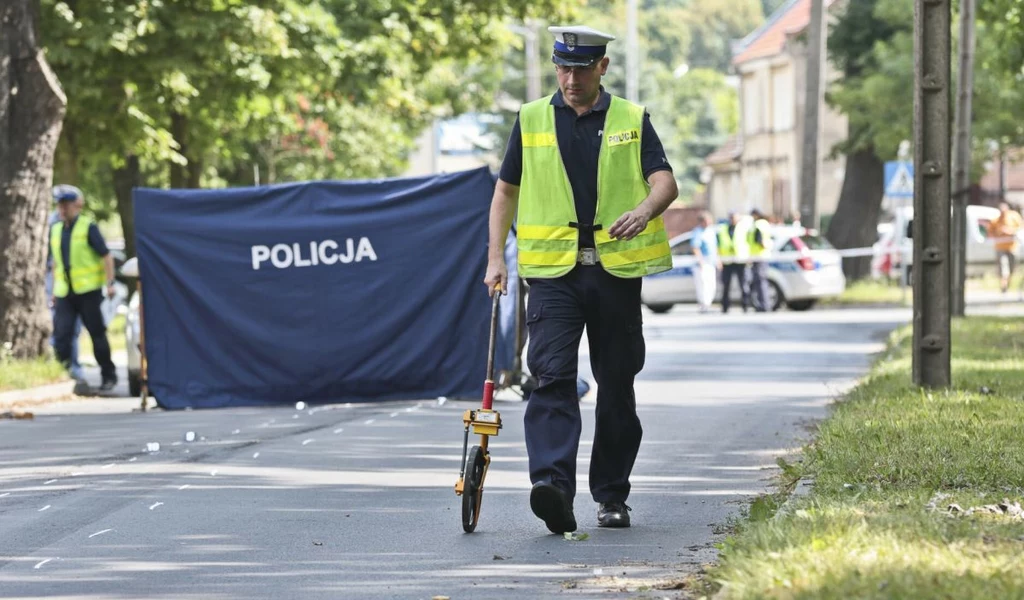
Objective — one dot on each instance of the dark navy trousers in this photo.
(556, 313)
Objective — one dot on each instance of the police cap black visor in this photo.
(567, 59)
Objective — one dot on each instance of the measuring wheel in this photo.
(473, 493)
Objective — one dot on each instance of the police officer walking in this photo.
(733, 254)
(586, 178)
(760, 243)
(82, 265)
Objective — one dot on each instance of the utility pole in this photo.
(632, 53)
(931, 365)
(812, 103)
(531, 55)
(962, 158)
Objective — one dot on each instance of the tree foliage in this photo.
(213, 91)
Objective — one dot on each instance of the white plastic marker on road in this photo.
(309, 441)
(256, 455)
(369, 422)
(49, 482)
(133, 459)
(42, 562)
(156, 504)
(107, 466)
(184, 487)
(393, 415)
(5, 494)
(99, 533)
(339, 430)
(43, 508)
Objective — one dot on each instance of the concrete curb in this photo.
(802, 489)
(35, 396)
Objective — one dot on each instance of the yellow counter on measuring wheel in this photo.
(484, 422)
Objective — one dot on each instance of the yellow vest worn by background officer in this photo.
(548, 244)
(763, 248)
(87, 271)
(732, 246)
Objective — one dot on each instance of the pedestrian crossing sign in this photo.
(899, 179)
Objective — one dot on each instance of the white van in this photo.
(897, 246)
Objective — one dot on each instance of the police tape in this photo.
(794, 255)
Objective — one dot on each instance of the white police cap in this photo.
(67, 193)
(578, 45)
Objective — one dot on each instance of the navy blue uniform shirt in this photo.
(579, 142)
(96, 242)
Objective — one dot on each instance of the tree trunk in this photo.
(179, 130)
(195, 172)
(855, 223)
(32, 109)
(126, 178)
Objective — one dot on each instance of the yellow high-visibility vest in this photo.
(87, 270)
(548, 244)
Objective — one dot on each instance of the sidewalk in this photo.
(61, 398)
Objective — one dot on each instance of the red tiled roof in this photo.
(790, 19)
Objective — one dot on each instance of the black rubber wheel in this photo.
(660, 309)
(134, 384)
(779, 299)
(472, 492)
(799, 305)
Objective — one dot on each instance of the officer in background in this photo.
(82, 267)
(733, 254)
(76, 368)
(703, 241)
(760, 243)
(588, 176)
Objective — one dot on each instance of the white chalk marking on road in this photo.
(77, 473)
(107, 466)
(339, 430)
(309, 441)
(49, 482)
(133, 459)
(156, 505)
(184, 487)
(369, 422)
(256, 455)
(41, 563)
(393, 415)
(5, 494)
(43, 508)
(99, 533)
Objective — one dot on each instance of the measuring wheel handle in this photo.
(484, 422)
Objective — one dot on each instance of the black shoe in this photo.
(108, 385)
(551, 505)
(613, 514)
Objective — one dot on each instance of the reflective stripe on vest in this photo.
(87, 269)
(756, 249)
(548, 245)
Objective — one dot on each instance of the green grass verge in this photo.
(886, 465)
(990, 282)
(872, 291)
(22, 374)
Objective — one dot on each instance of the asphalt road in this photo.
(356, 501)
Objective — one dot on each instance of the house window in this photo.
(752, 102)
(782, 100)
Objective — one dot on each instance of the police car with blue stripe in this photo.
(804, 268)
